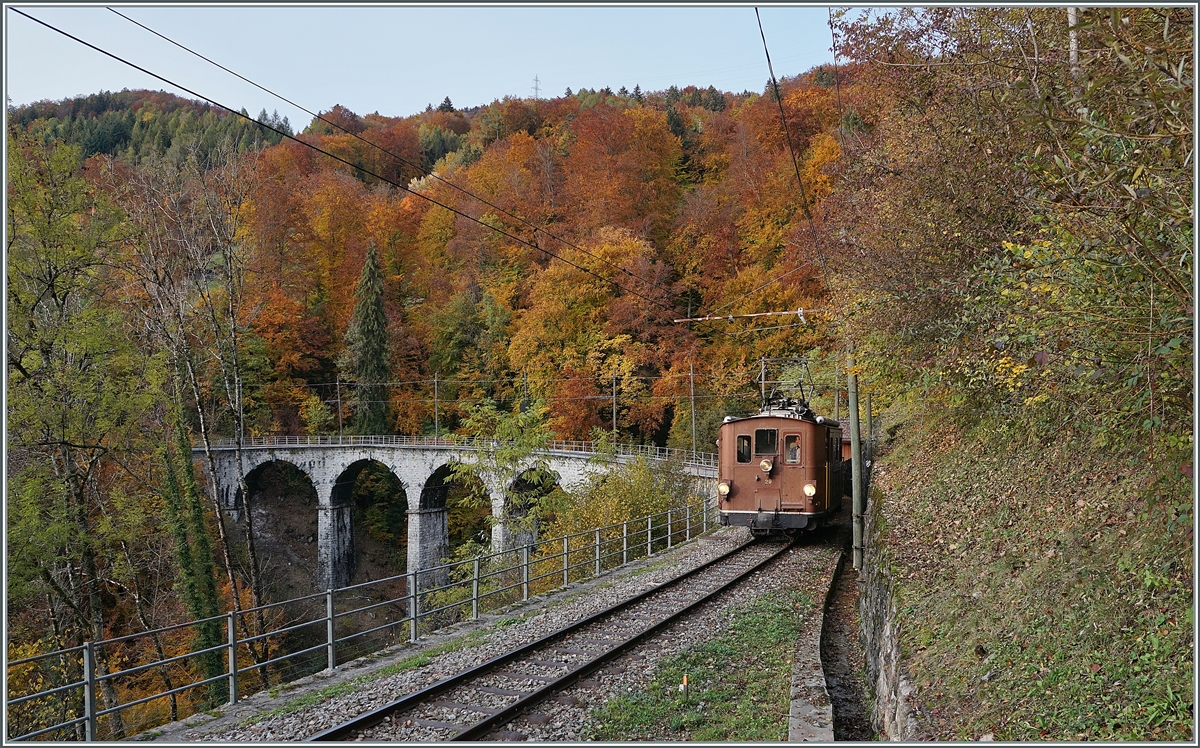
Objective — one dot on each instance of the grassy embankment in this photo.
(1045, 586)
(739, 683)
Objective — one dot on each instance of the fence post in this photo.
(566, 565)
(624, 543)
(412, 606)
(525, 572)
(330, 654)
(649, 529)
(475, 592)
(688, 524)
(231, 638)
(704, 516)
(597, 553)
(89, 692)
(669, 528)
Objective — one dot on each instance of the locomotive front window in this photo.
(743, 448)
(791, 448)
(764, 441)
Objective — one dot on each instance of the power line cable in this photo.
(787, 134)
(421, 170)
(776, 279)
(837, 81)
(396, 156)
(799, 182)
(342, 160)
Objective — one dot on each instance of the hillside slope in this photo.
(1044, 588)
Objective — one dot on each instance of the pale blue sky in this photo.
(395, 59)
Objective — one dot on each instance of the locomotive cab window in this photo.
(743, 448)
(791, 448)
(765, 441)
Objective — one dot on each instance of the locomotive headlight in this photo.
(765, 465)
(723, 489)
(810, 489)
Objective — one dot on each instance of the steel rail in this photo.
(377, 715)
(513, 710)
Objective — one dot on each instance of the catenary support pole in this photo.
(692, 378)
(339, 399)
(856, 461)
(614, 407)
(762, 379)
(869, 434)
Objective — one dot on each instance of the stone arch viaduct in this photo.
(333, 463)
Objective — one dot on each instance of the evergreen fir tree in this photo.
(568, 93)
(622, 92)
(366, 356)
(675, 121)
(714, 100)
(446, 106)
(637, 94)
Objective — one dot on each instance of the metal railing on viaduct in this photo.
(110, 689)
(116, 688)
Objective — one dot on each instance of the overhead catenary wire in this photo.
(753, 291)
(433, 174)
(763, 329)
(799, 312)
(556, 398)
(837, 82)
(394, 155)
(800, 183)
(363, 170)
(498, 380)
(787, 135)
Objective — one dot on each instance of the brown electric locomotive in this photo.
(780, 470)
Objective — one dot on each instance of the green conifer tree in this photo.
(366, 356)
(675, 122)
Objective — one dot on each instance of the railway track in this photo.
(482, 699)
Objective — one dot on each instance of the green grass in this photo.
(739, 682)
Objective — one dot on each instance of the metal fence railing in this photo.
(111, 689)
(580, 448)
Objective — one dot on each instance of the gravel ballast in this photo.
(564, 717)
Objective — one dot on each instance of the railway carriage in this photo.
(780, 470)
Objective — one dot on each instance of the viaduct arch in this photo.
(420, 464)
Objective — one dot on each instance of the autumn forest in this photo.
(990, 209)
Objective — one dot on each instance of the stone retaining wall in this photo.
(888, 684)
